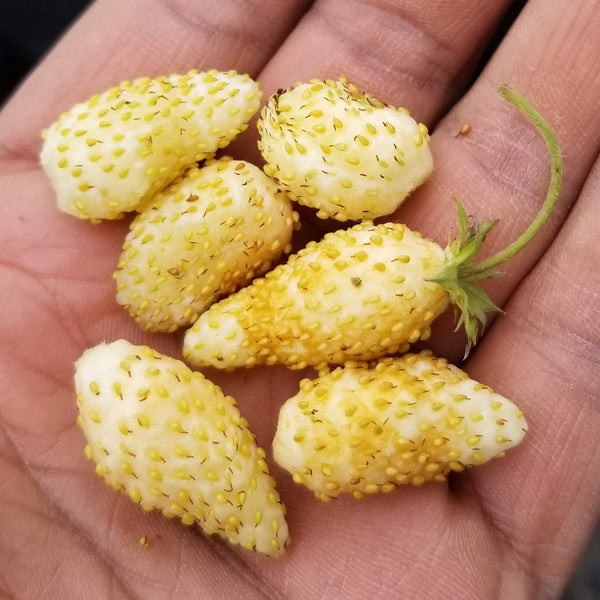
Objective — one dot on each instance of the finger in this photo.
(418, 54)
(500, 170)
(544, 353)
(115, 41)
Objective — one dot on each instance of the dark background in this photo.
(28, 28)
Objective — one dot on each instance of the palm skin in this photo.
(510, 529)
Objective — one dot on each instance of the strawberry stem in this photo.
(460, 276)
(479, 269)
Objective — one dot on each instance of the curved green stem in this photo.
(479, 269)
(461, 275)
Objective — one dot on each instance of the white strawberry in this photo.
(171, 440)
(364, 428)
(341, 151)
(107, 155)
(362, 293)
(204, 236)
(358, 293)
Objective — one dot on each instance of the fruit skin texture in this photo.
(341, 151)
(364, 429)
(171, 440)
(107, 155)
(206, 235)
(358, 294)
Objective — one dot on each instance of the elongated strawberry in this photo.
(361, 293)
(341, 151)
(365, 428)
(171, 440)
(107, 155)
(206, 235)
(358, 293)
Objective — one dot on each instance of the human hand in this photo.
(510, 529)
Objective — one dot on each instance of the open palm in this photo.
(511, 529)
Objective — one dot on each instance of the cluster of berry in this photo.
(171, 439)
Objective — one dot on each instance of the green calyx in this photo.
(466, 295)
(461, 275)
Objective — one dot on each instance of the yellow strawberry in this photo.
(204, 236)
(358, 293)
(171, 440)
(362, 429)
(107, 155)
(341, 151)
